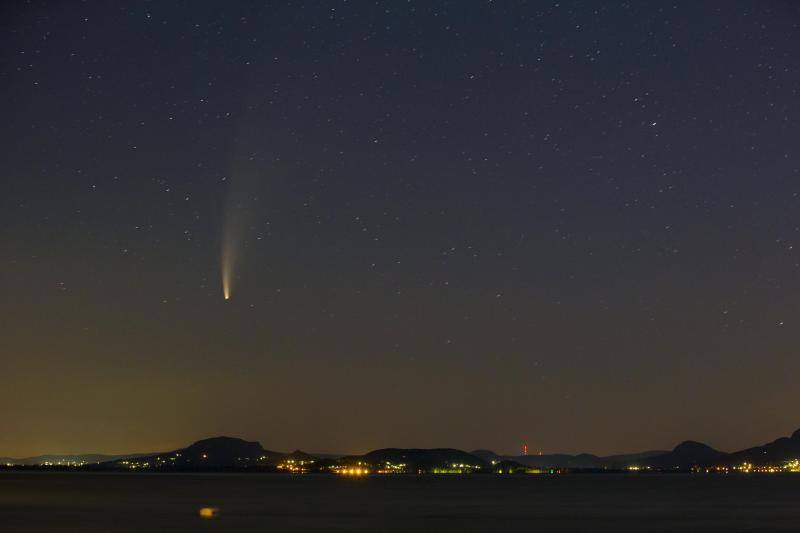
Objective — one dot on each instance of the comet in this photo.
(227, 265)
(231, 243)
(240, 206)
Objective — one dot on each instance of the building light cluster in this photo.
(719, 469)
(300, 463)
(352, 471)
(761, 469)
(63, 462)
(135, 465)
(749, 468)
(391, 468)
(527, 470)
(159, 462)
(296, 466)
(456, 468)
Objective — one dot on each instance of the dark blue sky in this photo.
(470, 224)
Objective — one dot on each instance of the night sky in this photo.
(455, 223)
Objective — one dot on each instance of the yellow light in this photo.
(209, 512)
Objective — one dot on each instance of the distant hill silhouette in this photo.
(579, 461)
(690, 453)
(224, 451)
(213, 453)
(779, 450)
(507, 466)
(422, 459)
(487, 455)
(631, 459)
(232, 453)
(559, 460)
(299, 455)
(235, 453)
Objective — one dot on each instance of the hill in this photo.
(213, 453)
(436, 460)
(776, 452)
(487, 455)
(585, 460)
(688, 454)
(234, 453)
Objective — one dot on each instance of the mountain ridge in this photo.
(232, 452)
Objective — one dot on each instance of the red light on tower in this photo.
(524, 449)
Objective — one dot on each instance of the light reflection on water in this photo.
(208, 512)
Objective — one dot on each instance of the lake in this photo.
(89, 502)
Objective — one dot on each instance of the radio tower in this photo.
(524, 449)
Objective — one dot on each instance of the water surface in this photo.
(72, 502)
